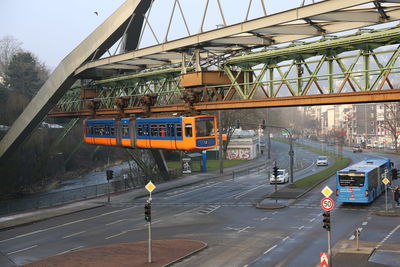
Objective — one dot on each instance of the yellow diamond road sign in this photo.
(386, 181)
(327, 191)
(150, 187)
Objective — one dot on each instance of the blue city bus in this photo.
(362, 181)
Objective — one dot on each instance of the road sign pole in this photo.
(358, 236)
(329, 249)
(386, 197)
(150, 187)
(149, 243)
(108, 191)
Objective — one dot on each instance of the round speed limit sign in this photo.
(327, 203)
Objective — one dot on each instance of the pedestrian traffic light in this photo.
(327, 220)
(147, 212)
(263, 125)
(110, 174)
(237, 124)
(275, 171)
(394, 174)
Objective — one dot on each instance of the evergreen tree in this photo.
(23, 74)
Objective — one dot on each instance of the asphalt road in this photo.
(220, 212)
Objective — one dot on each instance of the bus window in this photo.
(179, 130)
(204, 127)
(188, 130)
(154, 130)
(125, 130)
(162, 129)
(353, 179)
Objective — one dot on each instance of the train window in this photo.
(188, 130)
(204, 127)
(99, 130)
(170, 130)
(179, 130)
(163, 131)
(140, 130)
(112, 130)
(154, 130)
(125, 130)
(145, 130)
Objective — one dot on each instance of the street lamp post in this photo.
(291, 152)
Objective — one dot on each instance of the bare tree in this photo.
(9, 46)
(391, 122)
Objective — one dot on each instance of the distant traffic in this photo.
(362, 181)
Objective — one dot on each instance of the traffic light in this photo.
(110, 174)
(147, 212)
(275, 171)
(327, 220)
(394, 174)
(237, 124)
(263, 125)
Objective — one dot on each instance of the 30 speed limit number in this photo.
(327, 203)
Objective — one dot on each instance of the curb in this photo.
(389, 213)
(187, 255)
(258, 206)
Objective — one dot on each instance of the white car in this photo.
(283, 177)
(322, 161)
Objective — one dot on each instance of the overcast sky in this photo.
(51, 29)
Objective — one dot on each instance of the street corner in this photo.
(164, 253)
(273, 203)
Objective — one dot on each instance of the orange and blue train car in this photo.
(178, 133)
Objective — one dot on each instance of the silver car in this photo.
(322, 161)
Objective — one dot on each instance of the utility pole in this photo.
(220, 156)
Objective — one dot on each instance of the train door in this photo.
(132, 131)
(171, 133)
(146, 134)
(118, 132)
(88, 132)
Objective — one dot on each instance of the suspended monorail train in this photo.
(178, 133)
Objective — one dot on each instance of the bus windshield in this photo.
(204, 127)
(351, 179)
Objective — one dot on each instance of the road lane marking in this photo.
(352, 237)
(195, 190)
(248, 191)
(263, 219)
(301, 227)
(364, 223)
(65, 224)
(71, 235)
(244, 229)
(20, 250)
(271, 248)
(286, 238)
(388, 236)
(69, 250)
(111, 223)
(122, 233)
(313, 219)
